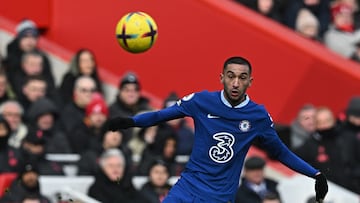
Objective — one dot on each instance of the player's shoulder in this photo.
(259, 108)
(205, 94)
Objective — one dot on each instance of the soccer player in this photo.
(226, 123)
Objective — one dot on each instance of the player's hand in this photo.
(321, 187)
(118, 123)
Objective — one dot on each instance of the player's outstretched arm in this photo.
(118, 123)
(321, 187)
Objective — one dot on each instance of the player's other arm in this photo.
(145, 119)
(271, 141)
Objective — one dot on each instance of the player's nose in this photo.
(236, 83)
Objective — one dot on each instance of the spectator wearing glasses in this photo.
(12, 112)
(73, 113)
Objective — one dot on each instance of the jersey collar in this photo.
(223, 99)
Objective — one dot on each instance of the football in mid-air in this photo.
(136, 32)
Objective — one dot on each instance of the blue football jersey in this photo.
(223, 136)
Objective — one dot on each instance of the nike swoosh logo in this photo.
(212, 116)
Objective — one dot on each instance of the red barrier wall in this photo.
(195, 37)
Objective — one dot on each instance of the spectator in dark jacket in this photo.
(26, 40)
(43, 115)
(350, 140)
(111, 185)
(87, 136)
(157, 187)
(31, 65)
(27, 184)
(83, 63)
(73, 113)
(10, 158)
(321, 150)
(88, 164)
(164, 149)
(254, 185)
(33, 151)
(129, 101)
(34, 88)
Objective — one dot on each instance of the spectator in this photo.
(254, 185)
(342, 36)
(26, 40)
(33, 151)
(43, 115)
(31, 65)
(349, 134)
(87, 135)
(34, 88)
(26, 185)
(111, 185)
(6, 92)
(356, 55)
(157, 187)
(10, 158)
(73, 113)
(321, 150)
(303, 126)
(164, 149)
(267, 8)
(184, 134)
(320, 9)
(88, 163)
(307, 25)
(13, 112)
(354, 4)
(82, 64)
(129, 101)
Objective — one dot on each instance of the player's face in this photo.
(236, 79)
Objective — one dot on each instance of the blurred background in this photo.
(63, 75)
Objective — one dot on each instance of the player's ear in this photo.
(221, 78)
(251, 80)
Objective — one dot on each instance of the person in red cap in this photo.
(87, 134)
(342, 36)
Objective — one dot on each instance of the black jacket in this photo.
(154, 194)
(107, 191)
(17, 191)
(246, 195)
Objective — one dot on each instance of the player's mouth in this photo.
(234, 93)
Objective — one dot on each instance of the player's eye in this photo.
(231, 76)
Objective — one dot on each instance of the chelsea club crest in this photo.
(244, 125)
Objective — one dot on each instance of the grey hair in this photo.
(17, 104)
(111, 153)
(84, 78)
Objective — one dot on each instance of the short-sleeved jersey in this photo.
(223, 136)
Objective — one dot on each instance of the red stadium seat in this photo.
(5, 181)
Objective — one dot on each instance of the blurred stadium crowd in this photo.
(39, 118)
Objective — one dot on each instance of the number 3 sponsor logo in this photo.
(222, 152)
